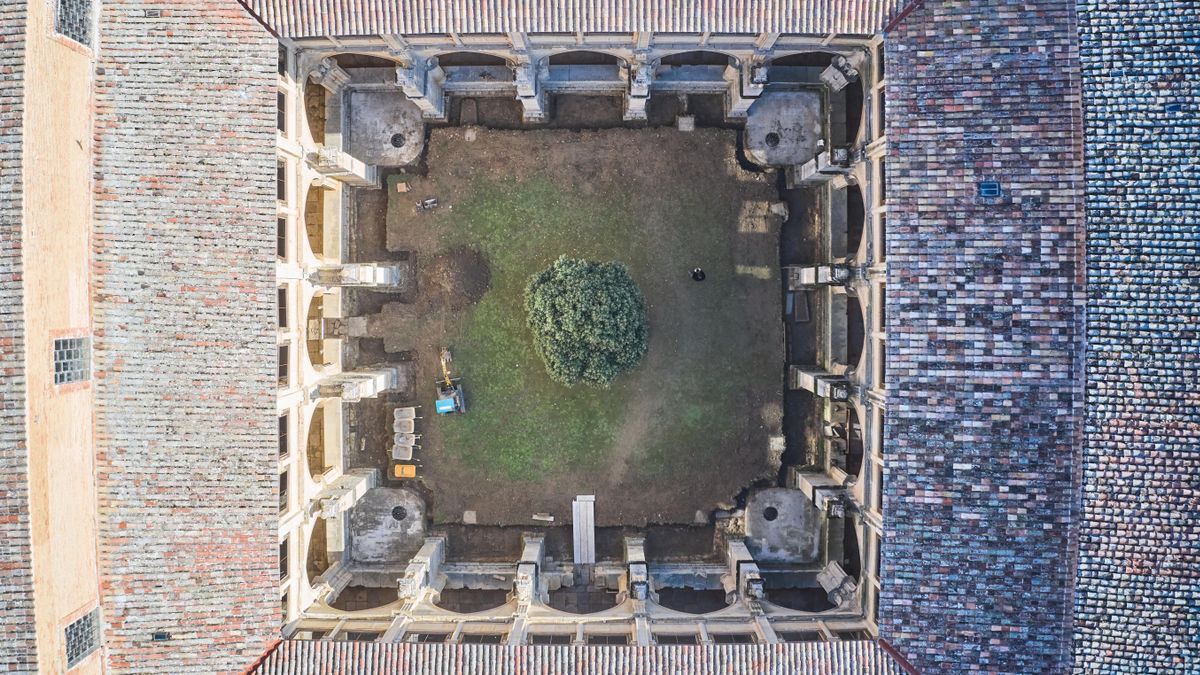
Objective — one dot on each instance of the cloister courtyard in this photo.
(698, 420)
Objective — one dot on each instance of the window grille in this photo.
(71, 360)
(83, 637)
(74, 20)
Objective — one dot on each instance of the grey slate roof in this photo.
(1137, 599)
(18, 648)
(308, 657)
(984, 320)
(340, 18)
(184, 345)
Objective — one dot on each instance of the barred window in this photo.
(72, 361)
(74, 20)
(83, 637)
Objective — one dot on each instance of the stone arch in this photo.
(584, 57)
(350, 60)
(313, 219)
(471, 600)
(697, 57)
(364, 598)
(317, 350)
(856, 220)
(321, 444)
(582, 600)
(852, 461)
(855, 331)
(693, 600)
(317, 553)
(469, 57)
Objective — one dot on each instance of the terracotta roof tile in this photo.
(308, 657)
(302, 18)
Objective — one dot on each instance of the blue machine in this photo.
(450, 397)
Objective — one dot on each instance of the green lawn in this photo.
(702, 359)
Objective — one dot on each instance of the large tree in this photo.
(588, 320)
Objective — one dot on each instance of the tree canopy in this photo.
(588, 320)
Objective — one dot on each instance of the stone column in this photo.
(344, 493)
(359, 384)
(746, 84)
(819, 382)
(422, 84)
(527, 586)
(743, 575)
(422, 571)
(638, 588)
(395, 277)
(527, 77)
(332, 582)
(640, 78)
(330, 75)
(333, 163)
(840, 587)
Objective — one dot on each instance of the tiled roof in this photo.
(184, 288)
(18, 650)
(984, 320)
(304, 18)
(308, 657)
(1137, 599)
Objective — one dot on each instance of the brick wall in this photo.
(984, 317)
(184, 344)
(18, 650)
(1138, 590)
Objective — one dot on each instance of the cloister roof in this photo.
(183, 341)
(307, 657)
(340, 18)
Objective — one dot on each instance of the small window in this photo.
(551, 639)
(853, 635)
(618, 639)
(284, 368)
(283, 605)
(733, 638)
(281, 181)
(72, 360)
(283, 559)
(281, 237)
(83, 637)
(359, 636)
(284, 425)
(74, 20)
(427, 638)
(281, 111)
(283, 491)
(482, 638)
(675, 639)
(282, 304)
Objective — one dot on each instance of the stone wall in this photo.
(984, 317)
(184, 335)
(1137, 598)
(18, 651)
